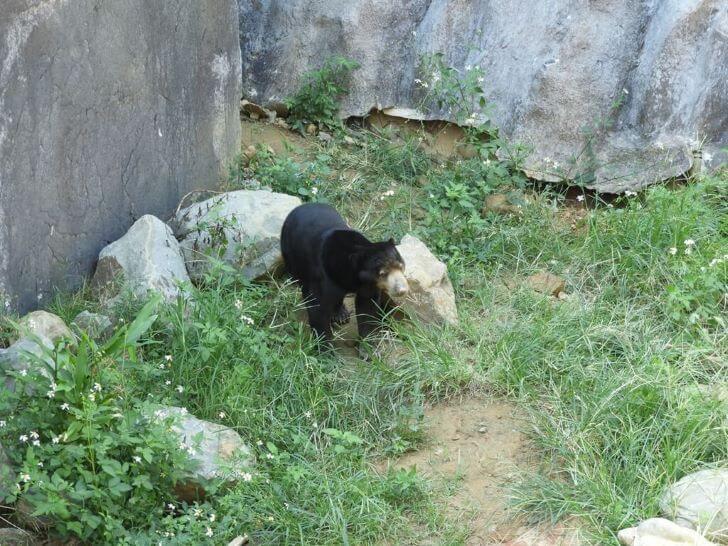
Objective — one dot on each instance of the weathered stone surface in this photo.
(7, 475)
(546, 283)
(242, 228)
(431, 297)
(44, 324)
(660, 532)
(218, 451)
(96, 325)
(147, 258)
(16, 358)
(12, 536)
(109, 109)
(555, 72)
(700, 501)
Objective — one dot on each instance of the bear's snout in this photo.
(396, 284)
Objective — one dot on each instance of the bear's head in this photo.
(382, 265)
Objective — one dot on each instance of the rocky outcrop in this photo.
(95, 325)
(241, 228)
(700, 501)
(615, 93)
(431, 297)
(217, 452)
(146, 259)
(109, 110)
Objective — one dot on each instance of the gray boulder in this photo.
(217, 452)
(614, 93)
(12, 536)
(431, 297)
(241, 228)
(700, 501)
(109, 110)
(146, 259)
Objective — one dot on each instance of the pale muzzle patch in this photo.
(394, 283)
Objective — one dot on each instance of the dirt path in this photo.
(478, 446)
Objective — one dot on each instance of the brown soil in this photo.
(478, 446)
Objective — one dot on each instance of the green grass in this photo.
(615, 378)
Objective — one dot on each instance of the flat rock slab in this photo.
(240, 228)
(661, 532)
(146, 259)
(44, 324)
(700, 501)
(431, 297)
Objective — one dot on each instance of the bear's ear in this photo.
(391, 241)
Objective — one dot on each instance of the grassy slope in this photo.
(610, 375)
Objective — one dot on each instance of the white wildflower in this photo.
(180, 389)
(672, 251)
(170, 506)
(246, 319)
(65, 406)
(468, 68)
(259, 443)
(629, 193)
(168, 358)
(268, 455)
(56, 439)
(23, 438)
(23, 373)
(247, 477)
(481, 79)
(36, 443)
(34, 435)
(137, 459)
(51, 394)
(208, 532)
(97, 387)
(579, 197)
(307, 415)
(221, 415)
(92, 396)
(3, 424)
(168, 382)
(197, 512)
(689, 242)
(689, 250)
(25, 478)
(212, 517)
(40, 464)
(314, 190)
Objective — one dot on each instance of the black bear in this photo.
(330, 260)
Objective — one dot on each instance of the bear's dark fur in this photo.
(330, 260)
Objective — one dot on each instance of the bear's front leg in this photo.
(321, 304)
(368, 312)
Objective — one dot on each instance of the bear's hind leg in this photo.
(319, 312)
(341, 315)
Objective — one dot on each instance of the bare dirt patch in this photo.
(478, 447)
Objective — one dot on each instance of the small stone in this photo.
(282, 124)
(250, 152)
(422, 181)
(660, 532)
(500, 204)
(277, 106)
(253, 109)
(239, 541)
(350, 141)
(254, 116)
(546, 283)
(96, 325)
(563, 296)
(325, 137)
(431, 297)
(483, 430)
(700, 501)
(44, 324)
(311, 129)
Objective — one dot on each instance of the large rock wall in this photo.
(109, 110)
(554, 68)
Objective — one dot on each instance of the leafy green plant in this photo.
(82, 449)
(317, 100)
